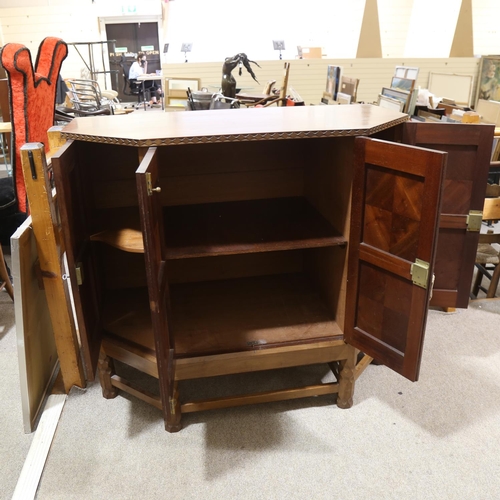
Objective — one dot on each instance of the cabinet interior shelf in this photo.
(227, 228)
(214, 317)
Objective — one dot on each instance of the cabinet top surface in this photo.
(233, 125)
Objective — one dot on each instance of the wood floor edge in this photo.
(34, 464)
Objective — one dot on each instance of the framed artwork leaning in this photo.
(488, 85)
(406, 72)
(400, 95)
(333, 81)
(390, 103)
(405, 84)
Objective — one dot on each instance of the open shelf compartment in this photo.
(226, 228)
(216, 317)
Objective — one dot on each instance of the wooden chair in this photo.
(488, 257)
(4, 276)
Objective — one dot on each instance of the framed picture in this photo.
(389, 103)
(452, 86)
(333, 81)
(488, 85)
(349, 86)
(406, 72)
(175, 89)
(344, 98)
(399, 95)
(405, 84)
(489, 111)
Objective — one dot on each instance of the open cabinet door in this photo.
(153, 230)
(395, 210)
(469, 152)
(73, 191)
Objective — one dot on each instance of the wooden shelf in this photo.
(231, 228)
(121, 229)
(213, 317)
(246, 227)
(126, 239)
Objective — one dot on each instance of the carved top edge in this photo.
(214, 139)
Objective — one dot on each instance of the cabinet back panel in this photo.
(109, 162)
(118, 162)
(234, 266)
(126, 270)
(217, 158)
(326, 266)
(237, 186)
(210, 188)
(328, 180)
(121, 269)
(327, 186)
(202, 173)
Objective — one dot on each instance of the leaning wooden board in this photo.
(37, 353)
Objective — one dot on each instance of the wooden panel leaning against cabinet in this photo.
(50, 249)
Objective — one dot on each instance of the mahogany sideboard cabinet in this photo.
(220, 242)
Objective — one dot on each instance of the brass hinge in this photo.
(420, 273)
(433, 280)
(79, 273)
(172, 405)
(474, 220)
(149, 185)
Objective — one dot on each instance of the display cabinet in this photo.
(221, 242)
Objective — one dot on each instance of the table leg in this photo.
(144, 93)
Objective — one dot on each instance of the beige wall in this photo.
(29, 21)
(73, 21)
(308, 76)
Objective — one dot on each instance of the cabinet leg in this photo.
(495, 278)
(106, 369)
(477, 283)
(346, 382)
(173, 411)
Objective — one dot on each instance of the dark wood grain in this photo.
(158, 289)
(73, 186)
(396, 195)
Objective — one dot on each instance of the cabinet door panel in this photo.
(73, 195)
(148, 181)
(395, 207)
(469, 151)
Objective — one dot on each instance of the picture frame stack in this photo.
(333, 76)
(402, 94)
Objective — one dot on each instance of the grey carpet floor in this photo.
(435, 439)
(14, 444)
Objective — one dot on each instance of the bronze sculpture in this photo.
(228, 84)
